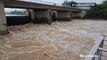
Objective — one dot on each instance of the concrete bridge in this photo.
(39, 12)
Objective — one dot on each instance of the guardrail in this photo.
(96, 51)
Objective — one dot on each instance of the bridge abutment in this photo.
(64, 15)
(3, 23)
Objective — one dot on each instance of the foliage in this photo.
(69, 3)
(99, 11)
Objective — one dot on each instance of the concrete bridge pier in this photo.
(41, 16)
(3, 23)
(83, 14)
(79, 14)
(53, 15)
(64, 16)
(32, 14)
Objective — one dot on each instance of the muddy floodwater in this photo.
(63, 40)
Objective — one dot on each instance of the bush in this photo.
(99, 11)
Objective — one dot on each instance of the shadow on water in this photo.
(17, 20)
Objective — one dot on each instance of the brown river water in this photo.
(63, 40)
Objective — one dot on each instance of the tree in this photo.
(66, 3)
(73, 4)
(69, 3)
(99, 11)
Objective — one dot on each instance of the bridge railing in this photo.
(96, 51)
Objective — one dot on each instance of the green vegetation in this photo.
(69, 3)
(99, 11)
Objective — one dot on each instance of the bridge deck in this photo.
(31, 5)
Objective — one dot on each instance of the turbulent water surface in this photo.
(60, 41)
